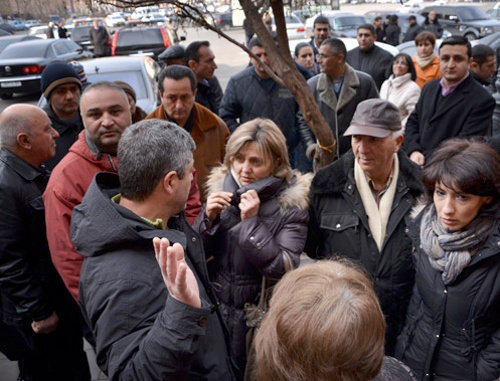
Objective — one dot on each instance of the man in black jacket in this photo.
(360, 206)
(34, 302)
(99, 39)
(201, 59)
(368, 57)
(454, 106)
(153, 318)
(321, 31)
(413, 29)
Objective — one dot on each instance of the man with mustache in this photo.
(62, 87)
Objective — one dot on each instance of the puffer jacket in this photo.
(430, 72)
(452, 332)
(403, 92)
(339, 226)
(141, 332)
(243, 251)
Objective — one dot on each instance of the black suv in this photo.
(465, 20)
(150, 41)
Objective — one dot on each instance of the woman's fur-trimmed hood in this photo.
(296, 195)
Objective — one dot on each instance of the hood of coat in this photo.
(293, 195)
(99, 225)
(333, 177)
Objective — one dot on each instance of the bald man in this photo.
(35, 304)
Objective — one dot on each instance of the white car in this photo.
(343, 24)
(350, 44)
(114, 20)
(295, 28)
(38, 31)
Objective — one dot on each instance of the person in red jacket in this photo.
(106, 114)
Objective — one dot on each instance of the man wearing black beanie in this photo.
(61, 86)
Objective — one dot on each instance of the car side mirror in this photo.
(182, 38)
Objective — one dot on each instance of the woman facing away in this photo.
(400, 88)
(254, 222)
(325, 324)
(452, 329)
(426, 61)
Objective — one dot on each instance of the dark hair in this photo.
(191, 52)
(480, 53)
(300, 46)
(409, 62)
(370, 27)
(394, 19)
(320, 20)
(147, 151)
(412, 17)
(255, 41)
(425, 36)
(177, 72)
(465, 166)
(457, 40)
(336, 46)
(377, 18)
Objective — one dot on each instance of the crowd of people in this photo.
(151, 235)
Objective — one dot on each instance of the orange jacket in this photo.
(430, 72)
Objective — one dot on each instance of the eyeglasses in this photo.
(323, 56)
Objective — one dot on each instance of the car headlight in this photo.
(486, 30)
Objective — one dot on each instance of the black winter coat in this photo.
(243, 251)
(339, 226)
(376, 62)
(453, 332)
(465, 112)
(141, 332)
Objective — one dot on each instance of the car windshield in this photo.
(134, 79)
(21, 51)
(349, 21)
(140, 37)
(472, 13)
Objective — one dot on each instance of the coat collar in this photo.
(458, 96)
(334, 177)
(24, 169)
(347, 93)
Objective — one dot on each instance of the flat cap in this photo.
(375, 117)
(172, 52)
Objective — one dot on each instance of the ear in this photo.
(170, 181)
(399, 143)
(23, 140)
(191, 64)
(474, 66)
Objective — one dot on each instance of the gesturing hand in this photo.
(178, 277)
(249, 204)
(216, 202)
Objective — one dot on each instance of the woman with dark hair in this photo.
(304, 59)
(426, 61)
(452, 330)
(254, 222)
(400, 88)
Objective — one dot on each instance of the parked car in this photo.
(295, 28)
(4, 33)
(81, 35)
(344, 24)
(464, 20)
(115, 20)
(31, 23)
(350, 44)
(7, 27)
(10, 39)
(22, 63)
(138, 71)
(153, 18)
(18, 24)
(38, 31)
(151, 41)
(223, 21)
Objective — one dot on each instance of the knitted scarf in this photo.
(451, 252)
(425, 61)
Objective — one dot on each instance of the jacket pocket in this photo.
(341, 234)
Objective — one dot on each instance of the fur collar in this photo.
(333, 177)
(347, 93)
(295, 195)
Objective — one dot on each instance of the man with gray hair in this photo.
(360, 206)
(153, 318)
(35, 307)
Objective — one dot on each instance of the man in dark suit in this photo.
(453, 106)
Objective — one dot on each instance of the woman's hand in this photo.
(216, 203)
(178, 277)
(249, 204)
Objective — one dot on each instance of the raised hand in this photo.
(249, 204)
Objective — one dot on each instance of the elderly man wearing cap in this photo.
(61, 86)
(173, 55)
(360, 206)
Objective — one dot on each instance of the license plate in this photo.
(11, 84)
